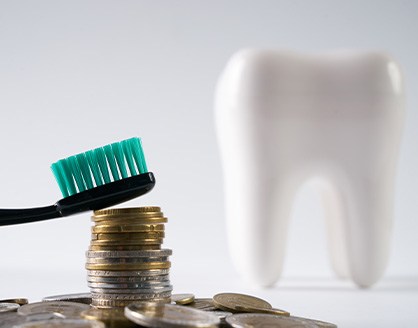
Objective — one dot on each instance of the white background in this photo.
(75, 75)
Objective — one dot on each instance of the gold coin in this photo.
(126, 260)
(127, 210)
(20, 301)
(230, 302)
(127, 221)
(262, 310)
(150, 241)
(127, 228)
(128, 267)
(128, 236)
(124, 247)
(205, 304)
(128, 216)
(182, 299)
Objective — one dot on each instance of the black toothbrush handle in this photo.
(26, 215)
(110, 194)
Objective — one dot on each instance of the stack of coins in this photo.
(125, 262)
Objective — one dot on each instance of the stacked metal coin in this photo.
(125, 262)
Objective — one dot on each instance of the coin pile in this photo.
(125, 262)
(224, 310)
(237, 311)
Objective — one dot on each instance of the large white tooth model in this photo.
(283, 118)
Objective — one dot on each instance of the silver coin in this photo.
(84, 298)
(258, 320)
(105, 303)
(139, 273)
(12, 319)
(133, 297)
(119, 254)
(123, 260)
(320, 324)
(8, 307)
(169, 316)
(130, 285)
(63, 323)
(41, 316)
(127, 280)
(67, 309)
(132, 291)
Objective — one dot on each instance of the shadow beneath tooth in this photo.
(389, 284)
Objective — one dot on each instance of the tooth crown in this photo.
(283, 118)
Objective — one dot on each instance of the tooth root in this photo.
(369, 228)
(335, 221)
(257, 220)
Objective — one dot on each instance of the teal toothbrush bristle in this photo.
(99, 166)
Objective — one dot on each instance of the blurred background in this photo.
(75, 75)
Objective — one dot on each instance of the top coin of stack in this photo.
(125, 261)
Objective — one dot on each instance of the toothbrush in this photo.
(92, 180)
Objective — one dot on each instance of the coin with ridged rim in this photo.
(148, 290)
(109, 303)
(130, 285)
(112, 228)
(148, 241)
(124, 248)
(129, 267)
(68, 309)
(114, 260)
(133, 220)
(124, 280)
(260, 320)
(169, 316)
(126, 260)
(128, 254)
(230, 302)
(114, 236)
(137, 273)
(127, 217)
(127, 210)
(132, 297)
